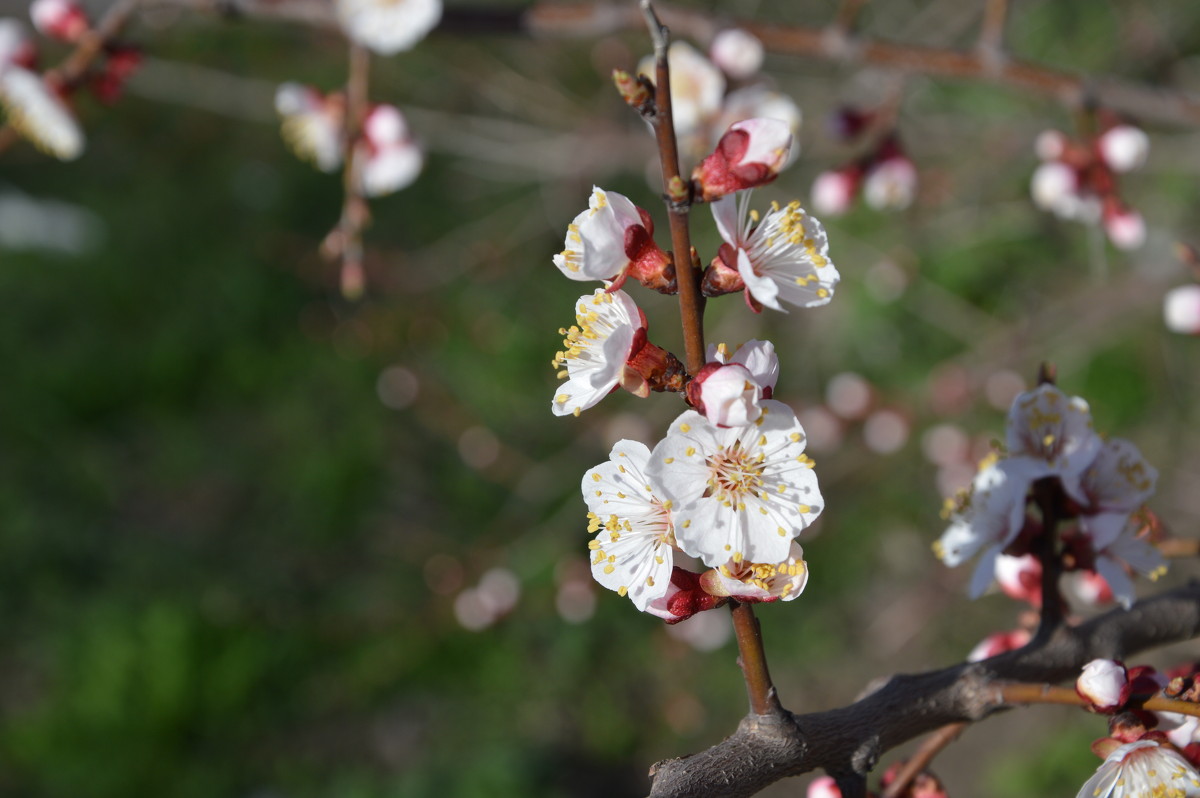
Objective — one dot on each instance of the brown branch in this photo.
(91, 46)
(929, 749)
(852, 738)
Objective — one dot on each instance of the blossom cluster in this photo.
(1077, 179)
(386, 156)
(37, 105)
(884, 175)
(1099, 484)
(1146, 753)
(730, 485)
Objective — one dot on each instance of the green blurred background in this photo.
(259, 541)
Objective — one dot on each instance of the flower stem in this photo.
(691, 302)
(1024, 693)
(753, 660)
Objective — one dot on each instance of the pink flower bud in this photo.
(684, 598)
(891, 184)
(998, 643)
(390, 158)
(1125, 227)
(59, 19)
(1181, 309)
(739, 53)
(750, 154)
(833, 191)
(1104, 684)
(1050, 145)
(1124, 147)
(727, 395)
(824, 787)
(1020, 577)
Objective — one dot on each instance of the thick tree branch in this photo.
(850, 740)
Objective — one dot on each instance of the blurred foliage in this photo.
(231, 569)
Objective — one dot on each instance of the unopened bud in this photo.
(750, 154)
(59, 19)
(635, 91)
(1104, 684)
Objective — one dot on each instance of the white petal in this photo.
(392, 168)
(632, 551)
(388, 26)
(39, 115)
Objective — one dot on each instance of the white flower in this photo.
(605, 240)
(1124, 147)
(596, 349)
(1117, 482)
(312, 124)
(391, 160)
(891, 184)
(1049, 434)
(782, 256)
(38, 114)
(1142, 769)
(1128, 552)
(1102, 683)
(696, 86)
(736, 51)
(752, 581)
(633, 552)
(990, 515)
(739, 493)
(1181, 730)
(1181, 309)
(388, 26)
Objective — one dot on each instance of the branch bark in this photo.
(850, 740)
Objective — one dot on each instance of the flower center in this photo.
(733, 473)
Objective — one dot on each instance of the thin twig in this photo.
(345, 241)
(919, 761)
(1021, 694)
(847, 15)
(753, 660)
(991, 32)
(691, 303)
